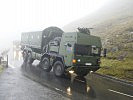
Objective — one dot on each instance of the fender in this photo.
(45, 55)
(60, 58)
(54, 58)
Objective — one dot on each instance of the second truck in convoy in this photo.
(75, 52)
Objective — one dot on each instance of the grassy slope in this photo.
(117, 34)
(117, 68)
(1, 68)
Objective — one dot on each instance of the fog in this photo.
(18, 16)
(113, 10)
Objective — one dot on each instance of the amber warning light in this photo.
(74, 60)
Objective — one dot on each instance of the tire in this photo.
(45, 65)
(58, 69)
(30, 59)
(25, 56)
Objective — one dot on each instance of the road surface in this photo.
(15, 86)
(93, 87)
(22, 81)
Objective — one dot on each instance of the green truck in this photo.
(73, 52)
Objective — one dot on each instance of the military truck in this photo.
(73, 52)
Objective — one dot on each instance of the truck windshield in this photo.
(82, 50)
(86, 50)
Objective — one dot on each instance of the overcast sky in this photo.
(18, 16)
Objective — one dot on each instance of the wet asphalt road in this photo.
(15, 86)
(94, 87)
(22, 81)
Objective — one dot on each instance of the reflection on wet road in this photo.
(62, 85)
(90, 88)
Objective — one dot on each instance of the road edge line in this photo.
(120, 93)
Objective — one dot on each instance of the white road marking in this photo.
(121, 93)
(10, 65)
(58, 89)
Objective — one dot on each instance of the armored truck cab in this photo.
(81, 52)
(77, 52)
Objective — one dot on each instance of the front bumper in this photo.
(83, 68)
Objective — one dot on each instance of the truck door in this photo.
(68, 54)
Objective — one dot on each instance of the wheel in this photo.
(25, 56)
(30, 59)
(58, 68)
(45, 65)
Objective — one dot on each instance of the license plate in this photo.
(88, 64)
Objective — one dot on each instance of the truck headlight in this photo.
(71, 71)
(78, 60)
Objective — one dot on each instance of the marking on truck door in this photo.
(69, 49)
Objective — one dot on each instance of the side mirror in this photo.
(68, 44)
(104, 52)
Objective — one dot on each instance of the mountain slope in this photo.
(113, 10)
(113, 23)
